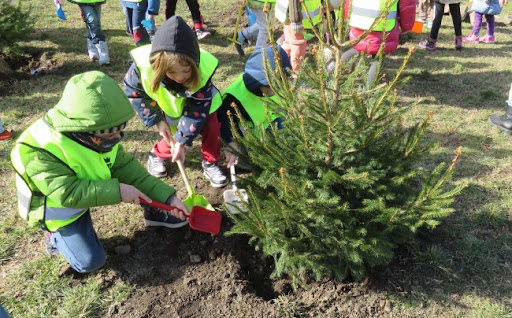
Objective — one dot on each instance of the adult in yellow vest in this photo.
(251, 94)
(170, 84)
(70, 160)
(90, 10)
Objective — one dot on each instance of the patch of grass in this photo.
(36, 290)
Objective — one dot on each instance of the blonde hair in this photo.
(163, 62)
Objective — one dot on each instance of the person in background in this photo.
(430, 43)
(153, 8)
(4, 133)
(487, 8)
(170, 86)
(289, 12)
(135, 12)
(504, 122)
(90, 10)
(256, 31)
(248, 93)
(70, 160)
(399, 20)
(193, 6)
(426, 11)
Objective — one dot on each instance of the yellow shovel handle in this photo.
(237, 23)
(181, 166)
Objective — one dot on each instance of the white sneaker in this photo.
(92, 50)
(213, 173)
(156, 166)
(103, 52)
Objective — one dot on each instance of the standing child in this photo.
(249, 93)
(426, 11)
(135, 12)
(384, 35)
(197, 18)
(170, 83)
(256, 31)
(487, 8)
(90, 10)
(430, 43)
(71, 160)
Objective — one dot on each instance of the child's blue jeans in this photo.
(79, 245)
(91, 14)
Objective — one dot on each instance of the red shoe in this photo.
(6, 135)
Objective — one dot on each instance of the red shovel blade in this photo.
(205, 220)
(200, 219)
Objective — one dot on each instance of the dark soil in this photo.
(185, 273)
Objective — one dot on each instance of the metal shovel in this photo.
(200, 219)
(235, 198)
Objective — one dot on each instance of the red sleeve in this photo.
(407, 11)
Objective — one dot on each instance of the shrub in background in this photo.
(339, 187)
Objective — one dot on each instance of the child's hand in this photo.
(230, 156)
(241, 2)
(503, 2)
(164, 130)
(176, 202)
(131, 194)
(178, 152)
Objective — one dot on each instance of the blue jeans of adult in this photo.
(79, 245)
(91, 14)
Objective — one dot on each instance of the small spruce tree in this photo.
(15, 27)
(338, 188)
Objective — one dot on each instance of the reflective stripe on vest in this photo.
(254, 105)
(365, 12)
(85, 163)
(313, 7)
(168, 102)
(59, 214)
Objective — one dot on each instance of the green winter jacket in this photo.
(51, 164)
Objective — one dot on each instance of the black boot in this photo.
(504, 122)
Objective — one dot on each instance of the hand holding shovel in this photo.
(200, 219)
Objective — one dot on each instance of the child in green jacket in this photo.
(70, 160)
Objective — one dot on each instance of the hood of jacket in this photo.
(90, 101)
(254, 73)
(174, 35)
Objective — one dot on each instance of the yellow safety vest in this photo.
(254, 105)
(313, 10)
(365, 12)
(168, 102)
(86, 163)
